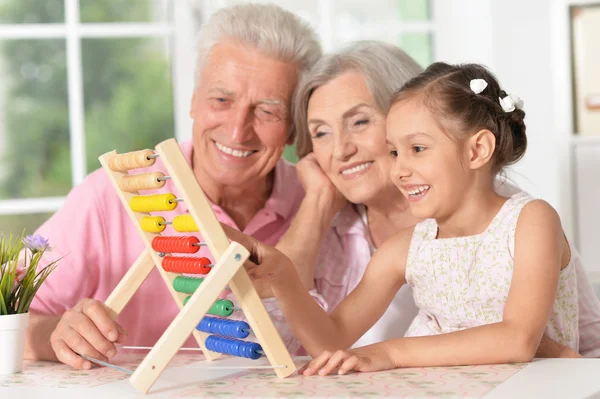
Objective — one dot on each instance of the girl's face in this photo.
(348, 136)
(428, 163)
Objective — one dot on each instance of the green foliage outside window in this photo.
(127, 97)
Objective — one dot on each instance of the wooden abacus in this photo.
(227, 270)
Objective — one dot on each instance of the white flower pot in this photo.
(12, 342)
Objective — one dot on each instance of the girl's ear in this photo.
(480, 148)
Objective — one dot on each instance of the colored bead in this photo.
(189, 265)
(187, 285)
(221, 307)
(224, 327)
(153, 203)
(175, 244)
(132, 160)
(142, 181)
(184, 223)
(233, 347)
(153, 224)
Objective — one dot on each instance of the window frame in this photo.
(73, 31)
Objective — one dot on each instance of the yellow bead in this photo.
(152, 203)
(184, 223)
(153, 224)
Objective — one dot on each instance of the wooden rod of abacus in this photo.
(136, 218)
(213, 234)
(129, 284)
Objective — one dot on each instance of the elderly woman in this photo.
(340, 111)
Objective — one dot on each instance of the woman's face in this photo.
(348, 136)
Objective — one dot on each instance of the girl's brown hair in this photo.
(445, 90)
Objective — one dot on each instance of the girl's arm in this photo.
(539, 254)
(314, 328)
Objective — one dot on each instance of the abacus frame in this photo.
(228, 269)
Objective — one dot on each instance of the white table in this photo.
(187, 376)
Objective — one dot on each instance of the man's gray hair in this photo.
(266, 27)
(385, 69)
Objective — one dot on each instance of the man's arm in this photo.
(37, 340)
(63, 322)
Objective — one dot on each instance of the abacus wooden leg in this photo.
(261, 324)
(188, 318)
(129, 284)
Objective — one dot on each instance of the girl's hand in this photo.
(265, 262)
(316, 182)
(365, 359)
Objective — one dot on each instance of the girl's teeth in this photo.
(231, 151)
(357, 168)
(418, 192)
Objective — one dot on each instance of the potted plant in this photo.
(19, 281)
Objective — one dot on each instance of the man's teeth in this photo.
(417, 192)
(357, 168)
(231, 151)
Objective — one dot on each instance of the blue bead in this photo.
(233, 347)
(224, 327)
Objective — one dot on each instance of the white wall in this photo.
(517, 40)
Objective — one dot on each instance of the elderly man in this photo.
(250, 60)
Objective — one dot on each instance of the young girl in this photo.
(490, 274)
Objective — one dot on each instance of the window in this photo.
(77, 78)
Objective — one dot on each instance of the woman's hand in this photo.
(316, 182)
(365, 359)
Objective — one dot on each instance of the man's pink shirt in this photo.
(99, 242)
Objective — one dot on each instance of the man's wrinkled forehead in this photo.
(232, 67)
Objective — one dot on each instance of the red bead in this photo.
(175, 244)
(187, 265)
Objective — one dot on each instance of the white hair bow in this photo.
(511, 102)
(478, 85)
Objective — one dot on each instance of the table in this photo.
(187, 376)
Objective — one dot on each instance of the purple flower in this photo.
(36, 243)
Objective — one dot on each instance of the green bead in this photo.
(187, 285)
(221, 307)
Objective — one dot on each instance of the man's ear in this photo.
(291, 136)
(480, 148)
(195, 102)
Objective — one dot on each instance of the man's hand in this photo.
(86, 329)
